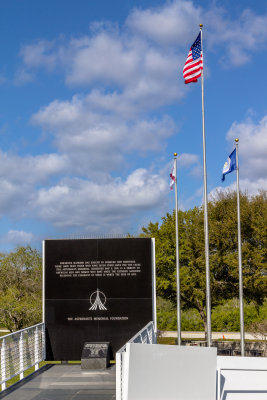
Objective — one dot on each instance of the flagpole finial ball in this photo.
(201, 26)
(175, 154)
(236, 140)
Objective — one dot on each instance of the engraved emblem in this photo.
(226, 165)
(98, 300)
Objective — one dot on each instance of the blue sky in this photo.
(93, 106)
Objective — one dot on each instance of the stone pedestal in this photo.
(95, 355)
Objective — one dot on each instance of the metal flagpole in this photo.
(206, 226)
(179, 341)
(241, 302)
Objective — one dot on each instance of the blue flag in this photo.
(229, 165)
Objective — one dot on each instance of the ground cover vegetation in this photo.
(21, 269)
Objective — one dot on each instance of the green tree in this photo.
(192, 258)
(223, 249)
(20, 288)
(224, 245)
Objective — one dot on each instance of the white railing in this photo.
(147, 335)
(20, 351)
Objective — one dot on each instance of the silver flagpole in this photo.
(206, 225)
(179, 342)
(241, 302)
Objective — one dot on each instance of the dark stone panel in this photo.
(95, 290)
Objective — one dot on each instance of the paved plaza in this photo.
(66, 382)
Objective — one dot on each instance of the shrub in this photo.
(226, 317)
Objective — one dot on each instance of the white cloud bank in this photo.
(241, 37)
(151, 44)
(86, 206)
(97, 143)
(15, 238)
(19, 237)
(97, 207)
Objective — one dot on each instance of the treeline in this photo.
(225, 317)
(223, 246)
(20, 288)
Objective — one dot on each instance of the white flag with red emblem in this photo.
(172, 176)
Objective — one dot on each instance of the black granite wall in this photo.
(95, 290)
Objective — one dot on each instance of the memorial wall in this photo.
(96, 290)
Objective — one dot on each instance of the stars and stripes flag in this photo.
(194, 62)
(172, 176)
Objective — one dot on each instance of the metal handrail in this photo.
(21, 330)
(20, 351)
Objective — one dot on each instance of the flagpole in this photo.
(241, 302)
(179, 341)
(206, 226)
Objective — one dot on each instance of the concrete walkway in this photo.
(65, 382)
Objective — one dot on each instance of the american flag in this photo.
(194, 63)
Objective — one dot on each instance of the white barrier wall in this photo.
(242, 378)
(147, 371)
(158, 372)
(147, 335)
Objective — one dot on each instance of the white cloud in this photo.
(138, 71)
(18, 237)
(240, 37)
(14, 198)
(41, 53)
(252, 150)
(20, 176)
(31, 170)
(146, 77)
(104, 57)
(33, 187)
(140, 60)
(187, 159)
(96, 206)
(23, 76)
(251, 187)
(191, 162)
(88, 136)
(172, 24)
(168, 24)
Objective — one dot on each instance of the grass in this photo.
(16, 378)
(29, 371)
(167, 340)
(173, 340)
(4, 333)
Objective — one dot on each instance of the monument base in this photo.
(95, 355)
